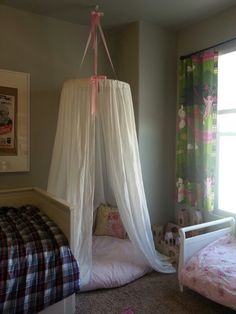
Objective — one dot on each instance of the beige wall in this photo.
(209, 32)
(146, 59)
(126, 56)
(156, 118)
(50, 50)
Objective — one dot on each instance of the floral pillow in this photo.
(108, 222)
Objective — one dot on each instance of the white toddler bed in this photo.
(207, 261)
(58, 211)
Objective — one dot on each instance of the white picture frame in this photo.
(14, 140)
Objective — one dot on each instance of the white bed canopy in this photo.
(96, 160)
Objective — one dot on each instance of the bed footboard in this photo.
(189, 246)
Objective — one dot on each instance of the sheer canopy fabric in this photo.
(96, 160)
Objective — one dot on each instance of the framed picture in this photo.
(14, 121)
(8, 120)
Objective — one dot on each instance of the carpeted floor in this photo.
(154, 293)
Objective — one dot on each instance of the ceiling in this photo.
(173, 14)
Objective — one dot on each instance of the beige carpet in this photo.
(154, 293)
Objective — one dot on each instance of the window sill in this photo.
(217, 214)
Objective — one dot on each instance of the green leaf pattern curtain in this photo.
(196, 130)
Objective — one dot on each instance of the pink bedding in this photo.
(212, 271)
(115, 263)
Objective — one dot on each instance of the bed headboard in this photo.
(58, 210)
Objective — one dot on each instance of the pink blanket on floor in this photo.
(116, 262)
(212, 271)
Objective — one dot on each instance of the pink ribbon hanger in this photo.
(92, 41)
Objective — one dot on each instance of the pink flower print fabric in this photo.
(115, 225)
(212, 271)
(108, 222)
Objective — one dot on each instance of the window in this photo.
(226, 133)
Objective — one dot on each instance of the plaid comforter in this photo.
(37, 267)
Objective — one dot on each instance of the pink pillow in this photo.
(108, 222)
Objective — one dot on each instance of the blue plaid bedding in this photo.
(37, 267)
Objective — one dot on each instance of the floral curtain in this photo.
(196, 130)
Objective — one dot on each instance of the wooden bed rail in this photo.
(61, 212)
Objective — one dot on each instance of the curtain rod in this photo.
(211, 47)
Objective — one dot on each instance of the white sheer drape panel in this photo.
(72, 168)
(96, 160)
(103, 192)
(124, 169)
